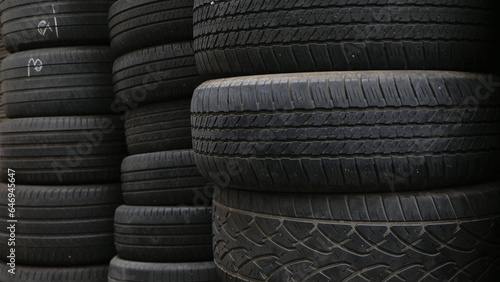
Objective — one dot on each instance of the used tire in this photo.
(261, 37)
(3, 54)
(98, 273)
(33, 24)
(133, 271)
(2, 111)
(62, 150)
(58, 82)
(164, 234)
(156, 74)
(158, 127)
(445, 235)
(60, 226)
(139, 24)
(348, 131)
(164, 179)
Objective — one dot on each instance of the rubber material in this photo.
(3, 55)
(2, 111)
(164, 234)
(139, 24)
(33, 24)
(167, 178)
(158, 127)
(412, 236)
(58, 82)
(132, 271)
(62, 150)
(156, 74)
(98, 273)
(348, 131)
(235, 37)
(60, 225)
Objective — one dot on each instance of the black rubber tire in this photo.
(444, 235)
(139, 24)
(157, 74)
(164, 234)
(65, 81)
(3, 116)
(3, 52)
(33, 24)
(158, 127)
(98, 273)
(3, 55)
(133, 271)
(62, 150)
(348, 131)
(164, 179)
(60, 225)
(236, 37)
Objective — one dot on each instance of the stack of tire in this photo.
(3, 54)
(365, 146)
(62, 146)
(164, 230)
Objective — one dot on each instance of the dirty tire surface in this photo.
(348, 131)
(139, 24)
(410, 236)
(133, 271)
(61, 225)
(98, 273)
(164, 234)
(158, 127)
(33, 24)
(168, 178)
(65, 81)
(261, 37)
(62, 150)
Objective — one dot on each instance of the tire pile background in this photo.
(61, 138)
(363, 147)
(164, 230)
(380, 171)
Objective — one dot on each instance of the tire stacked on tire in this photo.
(62, 145)
(164, 230)
(328, 171)
(3, 55)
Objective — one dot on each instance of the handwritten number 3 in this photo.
(37, 64)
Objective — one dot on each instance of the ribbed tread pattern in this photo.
(155, 74)
(158, 127)
(58, 82)
(98, 273)
(167, 178)
(61, 225)
(62, 150)
(234, 37)
(410, 236)
(347, 131)
(33, 24)
(139, 24)
(164, 234)
(133, 271)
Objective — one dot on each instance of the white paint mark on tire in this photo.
(36, 64)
